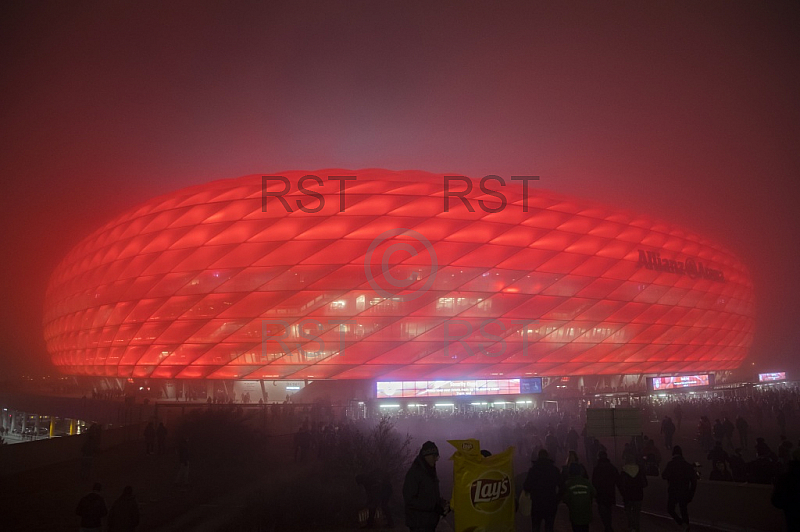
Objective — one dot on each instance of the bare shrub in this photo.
(221, 436)
(323, 494)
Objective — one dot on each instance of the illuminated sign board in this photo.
(422, 389)
(684, 381)
(530, 385)
(769, 377)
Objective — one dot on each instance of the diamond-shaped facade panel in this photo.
(346, 274)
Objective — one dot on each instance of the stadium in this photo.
(406, 279)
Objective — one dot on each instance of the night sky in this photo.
(686, 111)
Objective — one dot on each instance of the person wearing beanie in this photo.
(545, 486)
(423, 503)
(681, 485)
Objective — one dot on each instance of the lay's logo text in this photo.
(488, 490)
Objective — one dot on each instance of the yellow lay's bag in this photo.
(483, 489)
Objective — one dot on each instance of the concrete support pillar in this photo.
(73, 426)
(264, 394)
(228, 394)
(52, 426)
(36, 424)
(24, 424)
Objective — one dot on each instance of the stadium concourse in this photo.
(215, 497)
(211, 502)
(204, 508)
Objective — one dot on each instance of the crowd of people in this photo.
(547, 487)
(727, 444)
(92, 510)
(744, 437)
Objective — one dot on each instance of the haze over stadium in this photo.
(374, 274)
(183, 323)
(686, 113)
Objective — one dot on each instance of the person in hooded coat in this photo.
(124, 514)
(91, 510)
(786, 493)
(546, 487)
(423, 504)
(604, 480)
(681, 485)
(631, 483)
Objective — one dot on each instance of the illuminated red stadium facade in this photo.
(392, 276)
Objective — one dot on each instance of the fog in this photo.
(684, 111)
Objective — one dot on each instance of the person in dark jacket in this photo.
(578, 495)
(572, 439)
(668, 430)
(786, 494)
(738, 466)
(762, 449)
(378, 487)
(761, 470)
(545, 486)
(91, 510)
(551, 443)
(161, 436)
(604, 480)
(424, 506)
(717, 454)
(150, 437)
(721, 473)
(681, 485)
(631, 483)
(572, 458)
(124, 514)
(741, 428)
(182, 477)
(652, 457)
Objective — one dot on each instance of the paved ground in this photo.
(45, 500)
